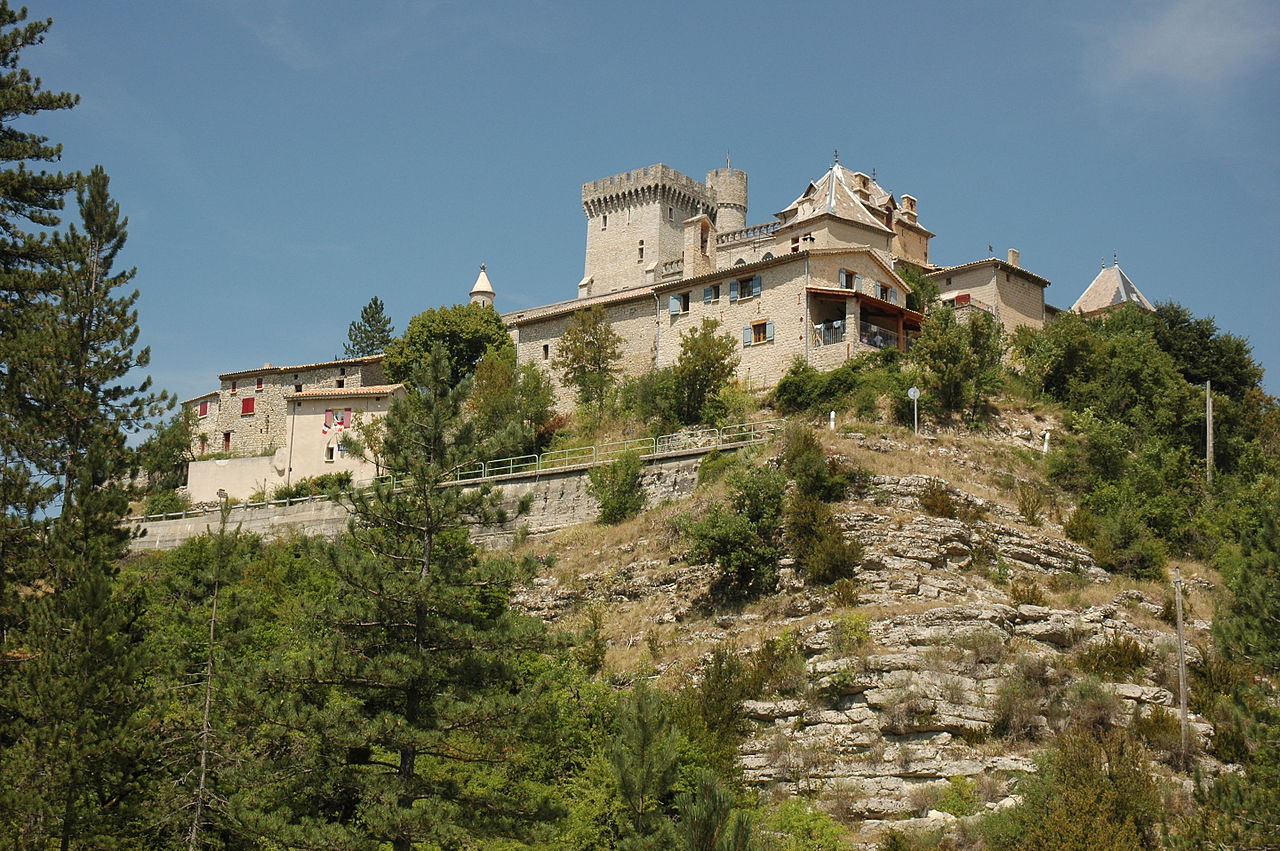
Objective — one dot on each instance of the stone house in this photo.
(820, 282)
(277, 424)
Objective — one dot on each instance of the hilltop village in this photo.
(822, 280)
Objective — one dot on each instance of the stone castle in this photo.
(821, 281)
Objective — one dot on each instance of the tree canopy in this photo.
(465, 332)
(587, 355)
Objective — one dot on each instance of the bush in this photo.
(1159, 728)
(815, 475)
(616, 486)
(1091, 706)
(1115, 658)
(1026, 593)
(743, 536)
(1082, 527)
(714, 465)
(936, 499)
(1017, 704)
(959, 797)
(817, 541)
(850, 633)
(802, 827)
(1031, 501)
(779, 665)
(166, 502)
(314, 486)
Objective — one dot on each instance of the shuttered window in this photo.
(246, 406)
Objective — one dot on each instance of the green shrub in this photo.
(779, 665)
(817, 542)
(960, 797)
(1090, 705)
(850, 633)
(591, 645)
(816, 475)
(616, 486)
(844, 592)
(314, 486)
(743, 536)
(1082, 527)
(1114, 659)
(1026, 593)
(800, 826)
(1158, 727)
(166, 502)
(801, 389)
(714, 465)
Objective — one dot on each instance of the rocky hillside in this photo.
(973, 631)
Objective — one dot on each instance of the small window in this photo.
(247, 406)
(768, 255)
(297, 404)
(604, 222)
(342, 370)
(795, 244)
(745, 288)
(329, 452)
(204, 408)
(711, 294)
(678, 303)
(546, 351)
(757, 333)
(233, 387)
(226, 441)
(257, 385)
(640, 251)
(671, 214)
(340, 383)
(297, 388)
(739, 262)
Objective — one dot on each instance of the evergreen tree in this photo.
(587, 355)
(26, 198)
(436, 674)
(370, 334)
(69, 707)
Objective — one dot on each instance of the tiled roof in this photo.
(1110, 288)
(516, 317)
(345, 392)
(275, 370)
(208, 395)
(1000, 264)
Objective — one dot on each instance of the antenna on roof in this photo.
(1115, 258)
(1103, 262)
(991, 250)
(728, 163)
(873, 172)
(836, 153)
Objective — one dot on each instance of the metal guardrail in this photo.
(705, 438)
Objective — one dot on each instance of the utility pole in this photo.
(1208, 432)
(1182, 661)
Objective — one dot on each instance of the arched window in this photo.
(767, 256)
(739, 262)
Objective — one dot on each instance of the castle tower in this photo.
(729, 190)
(635, 224)
(482, 293)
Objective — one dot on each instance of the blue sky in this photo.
(281, 161)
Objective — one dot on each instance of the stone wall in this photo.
(559, 499)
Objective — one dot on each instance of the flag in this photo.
(328, 421)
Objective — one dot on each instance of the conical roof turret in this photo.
(482, 292)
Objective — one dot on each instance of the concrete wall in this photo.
(309, 453)
(239, 477)
(560, 499)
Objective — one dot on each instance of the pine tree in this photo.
(435, 671)
(370, 334)
(69, 707)
(26, 198)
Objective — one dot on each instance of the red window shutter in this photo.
(246, 405)
(204, 409)
(328, 417)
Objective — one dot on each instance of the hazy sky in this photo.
(281, 161)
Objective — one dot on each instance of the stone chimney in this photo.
(1014, 258)
(862, 186)
(267, 365)
(908, 210)
(699, 246)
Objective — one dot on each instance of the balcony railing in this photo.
(874, 335)
(828, 333)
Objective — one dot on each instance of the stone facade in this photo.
(664, 250)
(248, 414)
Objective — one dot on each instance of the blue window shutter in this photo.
(857, 282)
(768, 330)
(844, 279)
(733, 291)
(673, 303)
(756, 285)
(746, 335)
(706, 295)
